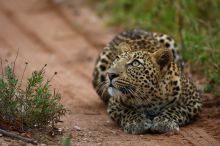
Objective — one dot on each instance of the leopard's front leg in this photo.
(130, 119)
(173, 117)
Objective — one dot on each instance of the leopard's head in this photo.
(134, 76)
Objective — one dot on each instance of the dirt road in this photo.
(68, 39)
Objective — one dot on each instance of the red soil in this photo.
(68, 39)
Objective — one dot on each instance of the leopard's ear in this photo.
(123, 47)
(163, 57)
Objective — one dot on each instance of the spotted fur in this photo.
(138, 75)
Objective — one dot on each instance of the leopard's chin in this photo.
(113, 91)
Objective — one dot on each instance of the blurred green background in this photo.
(194, 24)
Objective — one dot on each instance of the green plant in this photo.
(32, 106)
(66, 140)
(194, 24)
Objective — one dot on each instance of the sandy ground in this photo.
(68, 39)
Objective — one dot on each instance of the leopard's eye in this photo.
(135, 63)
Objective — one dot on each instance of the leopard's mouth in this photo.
(116, 88)
(114, 91)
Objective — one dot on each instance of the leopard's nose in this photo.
(111, 76)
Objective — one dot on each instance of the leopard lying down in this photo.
(138, 75)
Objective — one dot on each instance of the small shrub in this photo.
(32, 106)
(66, 141)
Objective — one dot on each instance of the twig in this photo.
(13, 135)
(26, 63)
(55, 73)
(15, 61)
(2, 68)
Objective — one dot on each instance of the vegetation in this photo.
(66, 141)
(34, 106)
(194, 24)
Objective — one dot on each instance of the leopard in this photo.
(139, 76)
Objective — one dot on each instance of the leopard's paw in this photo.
(164, 126)
(137, 127)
